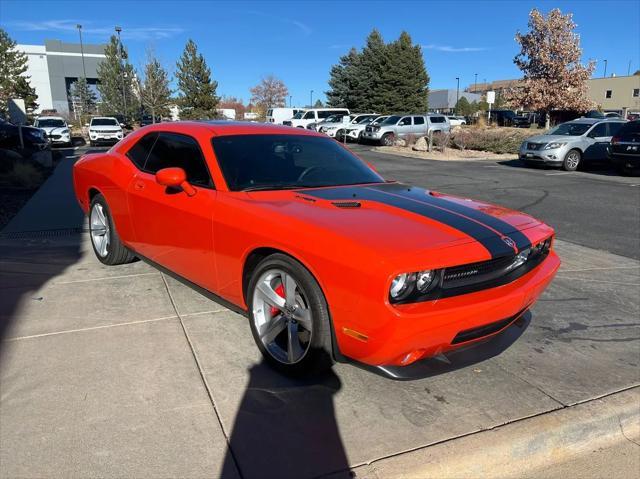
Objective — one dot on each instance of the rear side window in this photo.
(614, 128)
(438, 119)
(174, 150)
(140, 151)
(418, 120)
(631, 128)
(599, 130)
(269, 112)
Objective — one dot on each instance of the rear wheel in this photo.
(104, 237)
(289, 316)
(388, 139)
(571, 160)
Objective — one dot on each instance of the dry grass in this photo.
(23, 175)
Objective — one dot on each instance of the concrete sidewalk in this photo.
(124, 372)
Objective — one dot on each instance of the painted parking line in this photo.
(560, 173)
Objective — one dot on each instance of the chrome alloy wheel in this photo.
(100, 231)
(573, 158)
(282, 316)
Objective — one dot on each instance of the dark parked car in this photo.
(23, 141)
(502, 117)
(624, 150)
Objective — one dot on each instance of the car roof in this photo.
(51, 117)
(593, 121)
(228, 127)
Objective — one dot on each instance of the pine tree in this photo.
(13, 82)
(463, 107)
(116, 78)
(155, 94)
(318, 104)
(374, 63)
(83, 99)
(197, 99)
(405, 87)
(347, 83)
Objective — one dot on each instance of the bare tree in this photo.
(554, 78)
(269, 93)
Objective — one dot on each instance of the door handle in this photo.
(138, 185)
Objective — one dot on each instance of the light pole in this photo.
(457, 93)
(605, 69)
(124, 94)
(289, 101)
(84, 71)
(311, 101)
(475, 83)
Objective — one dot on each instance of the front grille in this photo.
(476, 272)
(55, 137)
(486, 330)
(534, 146)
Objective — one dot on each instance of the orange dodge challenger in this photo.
(327, 259)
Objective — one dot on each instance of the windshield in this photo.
(287, 162)
(334, 119)
(49, 123)
(570, 129)
(392, 120)
(104, 122)
(366, 120)
(298, 115)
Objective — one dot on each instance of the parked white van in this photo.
(278, 115)
(313, 115)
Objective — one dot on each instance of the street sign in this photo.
(491, 97)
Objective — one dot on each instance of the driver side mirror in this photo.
(175, 178)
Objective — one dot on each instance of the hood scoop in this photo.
(346, 204)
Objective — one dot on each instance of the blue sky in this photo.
(298, 41)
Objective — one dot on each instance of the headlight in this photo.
(65, 131)
(425, 280)
(520, 259)
(554, 145)
(401, 285)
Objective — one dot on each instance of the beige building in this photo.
(619, 94)
(616, 93)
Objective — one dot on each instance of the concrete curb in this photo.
(418, 155)
(522, 447)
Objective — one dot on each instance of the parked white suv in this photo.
(104, 129)
(56, 129)
(313, 115)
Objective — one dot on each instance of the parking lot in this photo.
(123, 371)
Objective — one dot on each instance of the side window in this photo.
(174, 150)
(614, 128)
(599, 130)
(418, 120)
(139, 152)
(405, 121)
(309, 116)
(325, 114)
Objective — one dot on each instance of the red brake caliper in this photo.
(280, 291)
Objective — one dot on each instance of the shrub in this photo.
(23, 175)
(441, 141)
(495, 140)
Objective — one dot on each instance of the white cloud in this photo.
(90, 29)
(450, 49)
(304, 28)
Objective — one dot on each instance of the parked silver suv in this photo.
(399, 126)
(571, 143)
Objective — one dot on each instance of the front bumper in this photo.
(553, 157)
(422, 330)
(105, 137)
(57, 139)
(624, 159)
(371, 135)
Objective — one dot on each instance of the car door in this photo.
(170, 227)
(404, 126)
(598, 139)
(419, 127)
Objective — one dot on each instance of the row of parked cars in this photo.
(102, 130)
(584, 140)
(342, 125)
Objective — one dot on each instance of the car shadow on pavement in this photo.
(285, 428)
(602, 168)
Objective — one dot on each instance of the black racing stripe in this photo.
(481, 233)
(419, 194)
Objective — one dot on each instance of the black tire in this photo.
(569, 162)
(387, 139)
(117, 253)
(318, 357)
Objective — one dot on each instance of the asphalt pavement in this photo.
(124, 372)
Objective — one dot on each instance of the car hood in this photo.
(392, 219)
(105, 128)
(53, 129)
(551, 138)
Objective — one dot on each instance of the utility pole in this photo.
(457, 94)
(84, 71)
(124, 91)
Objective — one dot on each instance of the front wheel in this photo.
(289, 316)
(388, 139)
(571, 160)
(104, 237)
